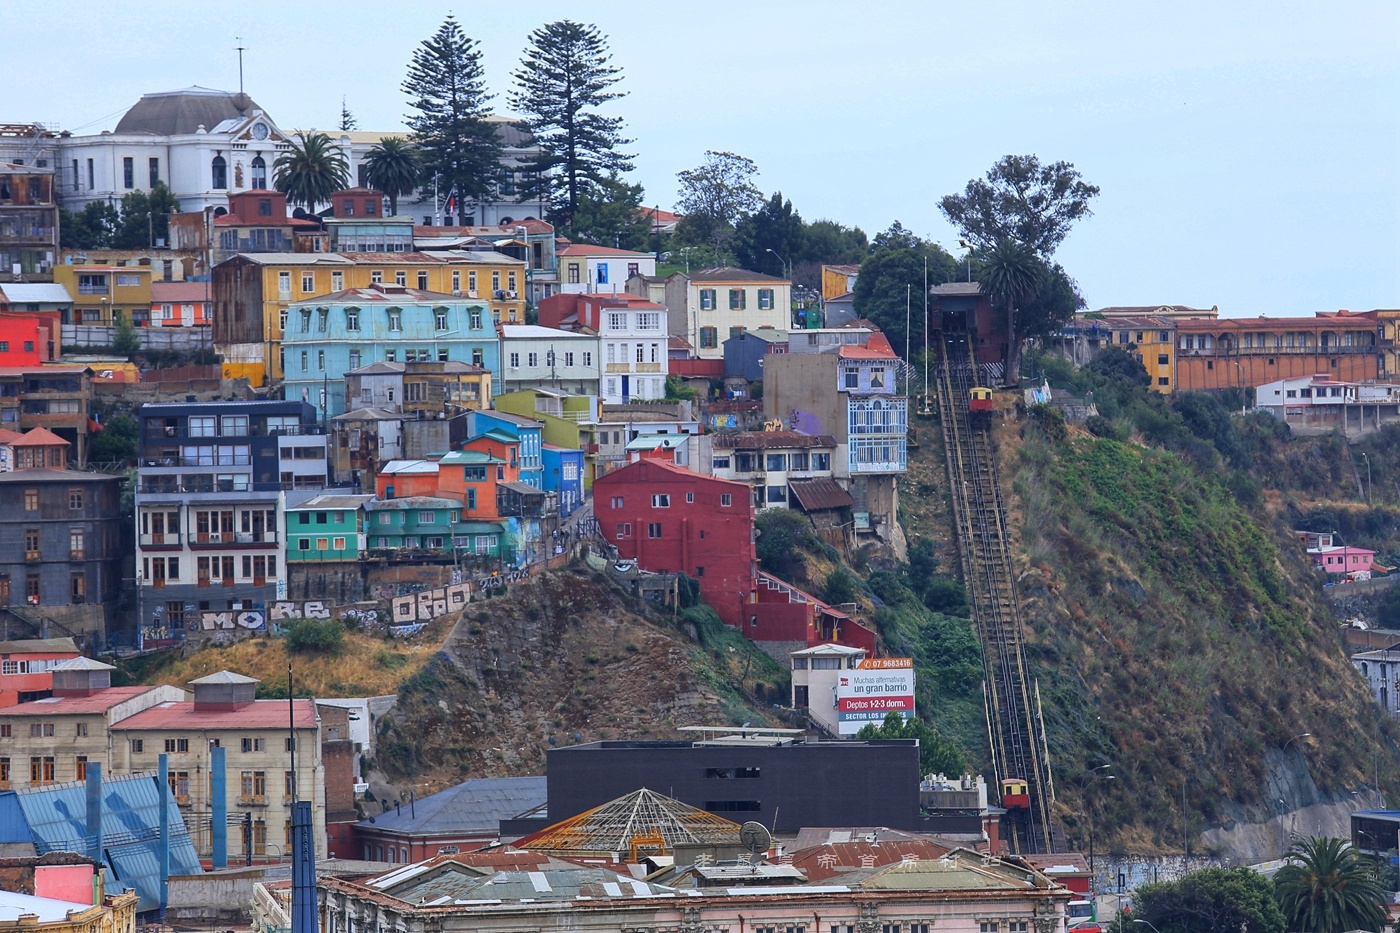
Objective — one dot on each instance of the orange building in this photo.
(1245, 352)
(402, 479)
(476, 474)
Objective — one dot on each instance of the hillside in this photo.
(567, 656)
(1176, 631)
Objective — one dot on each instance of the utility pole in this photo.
(240, 49)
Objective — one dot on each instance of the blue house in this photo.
(529, 432)
(328, 336)
(563, 474)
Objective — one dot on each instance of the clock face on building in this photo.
(260, 130)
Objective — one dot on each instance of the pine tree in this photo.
(447, 87)
(562, 80)
(347, 119)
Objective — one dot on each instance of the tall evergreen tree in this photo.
(562, 80)
(392, 167)
(446, 85)
(610, 213)
(347, 119)
(310, 170)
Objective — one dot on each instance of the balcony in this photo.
(161, 540)
(252, 800)
(201, 539)
(182, 800)
(230, 460)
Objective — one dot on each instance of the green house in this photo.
(415, 523)
(327, 528)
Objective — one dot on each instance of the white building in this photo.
(1381, 671)
(205, 144)
(546, 358)
(584, 267)
(201, 143)
(633, 346)
(707, 308)
(815, 674)
(1319, 404)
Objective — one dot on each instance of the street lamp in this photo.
(787, 267)
(1300, 735)
(1086, 786)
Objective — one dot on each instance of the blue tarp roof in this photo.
(57, 817)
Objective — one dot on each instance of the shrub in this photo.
(841, 587)
(315, 636)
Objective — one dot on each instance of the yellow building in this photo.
(98, 290)
(1151, 339)
(252, 291)
(838, 281)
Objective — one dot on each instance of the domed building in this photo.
(202, 143)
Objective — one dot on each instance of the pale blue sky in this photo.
(1247, 151)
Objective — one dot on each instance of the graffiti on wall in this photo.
(254, 620)
(426, 605)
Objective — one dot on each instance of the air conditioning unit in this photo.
(470, 294)
(457, 292)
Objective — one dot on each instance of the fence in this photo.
(151, 338)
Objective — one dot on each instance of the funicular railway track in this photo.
(1013, 722)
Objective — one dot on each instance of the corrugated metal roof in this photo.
(187, 716)
(98, 702)
(473, 806)
(56, 817)
(182, 112)
(814, 495)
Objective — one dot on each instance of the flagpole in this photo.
(437, 203)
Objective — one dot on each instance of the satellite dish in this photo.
(755, 837)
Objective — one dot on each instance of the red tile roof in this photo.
(98, 702)
(588, 249)
(179, 291)
(260, 714)
(39, 437)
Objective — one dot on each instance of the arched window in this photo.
(259, 172)
(220, 172)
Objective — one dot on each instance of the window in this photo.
(41, 770)
(821, 461)
(76, 541)
(253, 745)
(988, 926)
(321, 359)
(81, 729)
(533, 359)
(877, 377)
(305, 360)
(707, 299)
(31, 544)
(725, 499)
(1162, 359)
(765, 299)
(395, 319)
(427, 518)
(218, 170)
(777, 494)
(653, 529)
(177, 745)
(38, 729)
(587, 359)
(153, 171)
(661, 501)
(776, 462)
(738, 299)
(138, 746)
(440, 318)
(709, 338)
(80, 768)
(31, 500)
(128, 172)
(400, 277)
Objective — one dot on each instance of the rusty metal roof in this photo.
(814, 495)
(642, 819)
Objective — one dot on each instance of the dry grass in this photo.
(365, 666)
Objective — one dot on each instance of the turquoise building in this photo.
(326, 528)
(415, 523)
(328, 336)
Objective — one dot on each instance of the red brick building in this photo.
(670, 519)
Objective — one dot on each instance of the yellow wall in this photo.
(1389, 327)
(322, 281)
(834, 283)
(126, 298)
(1152, 342)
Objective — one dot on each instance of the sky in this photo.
(1246, 151)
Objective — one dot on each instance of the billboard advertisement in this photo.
(869, 693)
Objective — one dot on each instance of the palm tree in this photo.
(1011, 274)
(311, 170)
(393, 167)
(1329, 888)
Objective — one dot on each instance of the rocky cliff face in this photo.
(563, 658)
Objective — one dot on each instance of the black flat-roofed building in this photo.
(782, 782)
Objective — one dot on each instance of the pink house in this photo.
(1340, 560)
